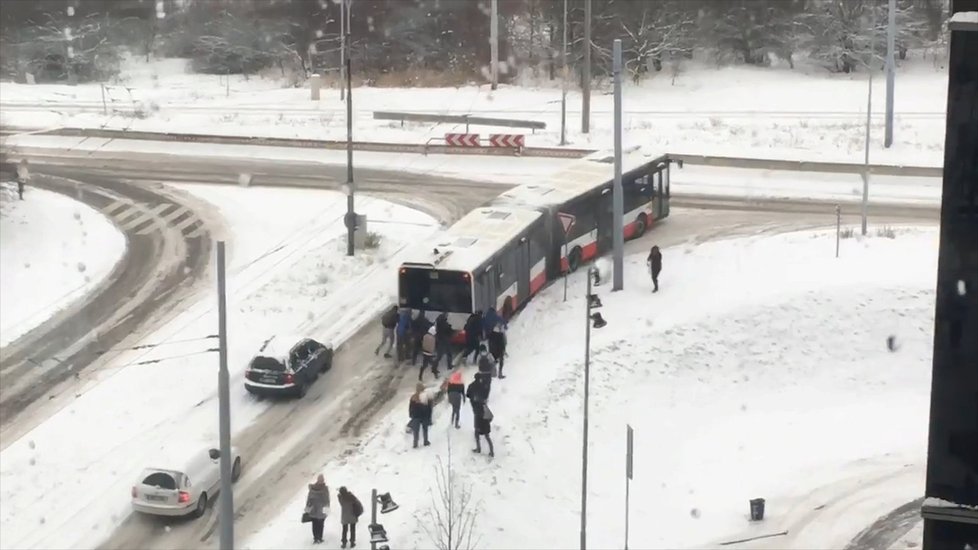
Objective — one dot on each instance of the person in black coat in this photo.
(419, 327)
(497, 348)
(420, 410)
(483, 421)
(443, 340)
(654, 262)
(473, 336)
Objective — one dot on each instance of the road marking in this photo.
(169, 218)
(146, 216)
(116, 205)
(187, 222)
(197, 232)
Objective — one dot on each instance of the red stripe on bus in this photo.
(537, 282)
(629, 230)
(589, 251)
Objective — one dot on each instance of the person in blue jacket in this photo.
(404, 336)
(490, 321)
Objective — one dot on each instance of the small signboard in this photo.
(566, 220)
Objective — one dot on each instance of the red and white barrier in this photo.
(516, 141)
(462, 140)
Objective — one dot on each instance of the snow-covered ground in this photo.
(691, 180)
(66, 483)
(912, 540)
(743, 111)
(53, 251)
(761, 369)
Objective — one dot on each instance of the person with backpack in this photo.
(455, 388)
(428, 347)
(654, 262)
(497, 348)
(350, 511)
(483, 426)
(388, 322)
(403, 334)
(490, 321)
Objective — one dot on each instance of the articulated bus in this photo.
(505, 252)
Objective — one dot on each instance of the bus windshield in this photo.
(435, 290)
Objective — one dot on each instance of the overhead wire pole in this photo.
(586, 80)
(617, 199)
(494, 42)
(224, 407)
(342, 49)
(563, 84)
(587, 388)
(890, 70)
(869, 114)
(351, 216)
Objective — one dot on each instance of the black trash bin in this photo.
(756, 509)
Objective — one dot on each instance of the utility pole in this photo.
(563, 92)
(869, 113)
(224, 407)
(586, 91)
(351, 216)
(587, 388)
(373, 514)
(494, 43)
(342, 49)
(617, 198)
(890, 71)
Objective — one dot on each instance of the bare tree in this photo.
(450, 521)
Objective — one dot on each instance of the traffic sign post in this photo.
(628, 475)
(462, 140)
(567, 222)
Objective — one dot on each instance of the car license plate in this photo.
(155, 497)
(269, 379)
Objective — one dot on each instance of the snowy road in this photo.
(161, 265)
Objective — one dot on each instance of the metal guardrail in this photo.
(459, 119)
(543, 152)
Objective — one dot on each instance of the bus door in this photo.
(664, 191)
(523, 266)
(604, 211)
(486, 292)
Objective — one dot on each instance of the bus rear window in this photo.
(435, 290)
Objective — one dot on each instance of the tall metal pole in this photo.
(373, 514)
(224, 407)
(350, 213)
(563, 85)
(587, 388)
(586, 91)
(869, 113)
(890, 71)
(618, 201)
(342, 49)
(494, 43)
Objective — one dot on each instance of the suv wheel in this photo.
(301, 389)
(236, 470)
(201, 506)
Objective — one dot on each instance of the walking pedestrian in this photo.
(654, 262)
(497, 348)
(22, 175)
(419, 409)
(428, 346)
(388, 322)
(404, 336)
(443, 341)
(473, 336)
(455, 388)
(317, 507)
(350, 511)
(419, 327)
(483, 426)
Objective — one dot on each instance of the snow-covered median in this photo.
(65, 484)
(761, 369)
(53, 251)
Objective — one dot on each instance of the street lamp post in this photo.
(593, 302)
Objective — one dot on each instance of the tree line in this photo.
(81, 40)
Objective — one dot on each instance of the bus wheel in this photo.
(574, 260)
(641, 224)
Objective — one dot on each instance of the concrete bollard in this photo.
(315, 84)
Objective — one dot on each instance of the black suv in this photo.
(272, 374)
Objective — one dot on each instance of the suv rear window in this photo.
(161, 480)
(267, 363)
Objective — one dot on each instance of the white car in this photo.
(184, 490)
